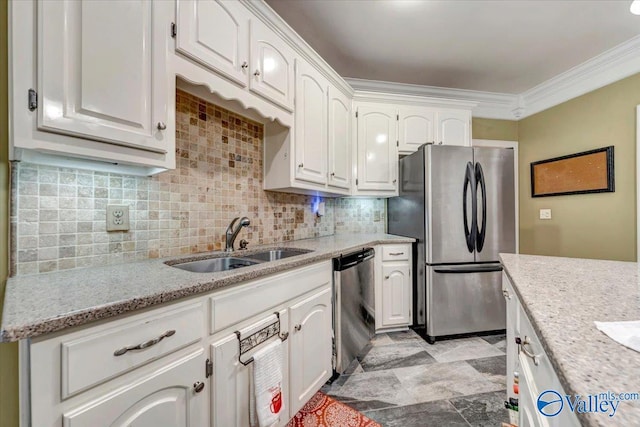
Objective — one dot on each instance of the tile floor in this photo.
(401, 380)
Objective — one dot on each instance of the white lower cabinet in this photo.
(169, 396)
(395, 294)
(310, 347)
(178, 365)
(231, 377)
(393, 287)
(534, 370)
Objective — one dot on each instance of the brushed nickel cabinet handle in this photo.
(257, 73)
(162, 126)
(301, 165)
(506, 294)
(198, 386)
(523, 343)
(244, 65)
(396, 253)
(386, 277)
(297, 327)
(145, 344)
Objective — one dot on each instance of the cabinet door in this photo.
(230, 379)
(454, 128)
(166, 397)
(513, 330)
(416, 127)
(339, 139)
(377, 148)
(310, 142)
(215, 33)
(272, 74)
(102, 72)
(396, 294)
(310, 347)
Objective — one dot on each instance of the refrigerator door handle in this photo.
(469, 269)
(469, 234)
(482, 231)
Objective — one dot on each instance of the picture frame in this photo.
(580, 173)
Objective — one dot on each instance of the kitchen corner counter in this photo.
(44, 303)
(562, 297)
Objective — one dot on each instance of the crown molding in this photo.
(608, 67)
(391, 97)
(491, 105)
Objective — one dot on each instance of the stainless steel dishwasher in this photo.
(353, 308)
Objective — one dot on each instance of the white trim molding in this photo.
(608, 67)
(490, 105)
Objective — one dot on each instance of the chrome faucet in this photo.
(232, 234)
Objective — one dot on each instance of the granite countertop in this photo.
(44, 303)
(562, 298)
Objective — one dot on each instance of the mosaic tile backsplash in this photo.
(58, 215)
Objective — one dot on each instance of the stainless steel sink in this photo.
(276, 254)
(225, 263)
(212, 265)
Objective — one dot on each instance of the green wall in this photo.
(8, 352)
(591, 225)
(501, 130)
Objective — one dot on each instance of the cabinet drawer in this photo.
(396, 252)
(257, 297)
(97, 356)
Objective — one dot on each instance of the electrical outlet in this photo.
(117, 217)
(545, 213)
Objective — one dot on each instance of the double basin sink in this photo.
(225, 263)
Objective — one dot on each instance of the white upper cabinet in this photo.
(102, 73)
(377, 132)
(339, 135)
(454, 127)
(424, 125)
(310, 143)
(272, 66)
(215, 33)
(416, 127)
(315, 157)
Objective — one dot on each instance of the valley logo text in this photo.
(551, 403)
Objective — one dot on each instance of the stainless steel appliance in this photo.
(353, 308)
(459, 204)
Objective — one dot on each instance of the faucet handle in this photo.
(243, 244)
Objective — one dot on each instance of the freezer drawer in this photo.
(464, 298)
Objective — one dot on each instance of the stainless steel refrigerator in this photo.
(459, 204)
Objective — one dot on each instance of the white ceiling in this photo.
(506, 46)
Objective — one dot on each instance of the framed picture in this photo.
(580, 173)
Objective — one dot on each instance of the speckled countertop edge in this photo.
(46, 303)
(577, 360)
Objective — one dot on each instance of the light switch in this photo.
(545, 213)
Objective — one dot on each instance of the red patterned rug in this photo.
(323, 411)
